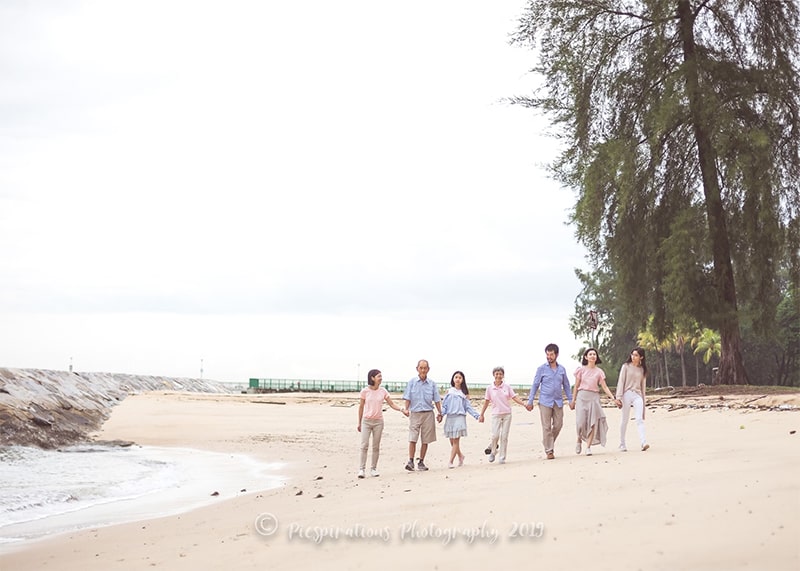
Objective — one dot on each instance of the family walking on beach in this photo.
(421, 397)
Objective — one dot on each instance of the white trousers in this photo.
(501, 425)
(632, 398)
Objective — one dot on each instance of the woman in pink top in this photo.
(370, 419)
(590, 419)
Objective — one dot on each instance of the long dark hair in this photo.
(641, 354)
(464, 388)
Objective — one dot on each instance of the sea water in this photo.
(47, 491)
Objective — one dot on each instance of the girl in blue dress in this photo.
(455, 407)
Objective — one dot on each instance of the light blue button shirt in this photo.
(554, 383)
(421, 395)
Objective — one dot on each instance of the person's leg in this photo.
(589, 441)
(546, 416)
(413, 436)
(453, 451)
(505, 428)
(427, 434)
(377, 434)
(579, 422)
(365, 432)
(495, 436)
(625, 412)
(638, 414)
(558, 421)
(459, 453)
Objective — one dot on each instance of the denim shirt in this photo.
(552, 382)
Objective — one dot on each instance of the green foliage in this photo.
(609, 339)
(708, 344)
(638, 90)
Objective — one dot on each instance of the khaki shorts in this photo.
(421, 424)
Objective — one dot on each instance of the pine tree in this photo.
(681, 126)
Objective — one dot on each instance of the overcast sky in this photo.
(277, 189)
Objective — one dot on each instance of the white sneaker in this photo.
(578, 448)
(491, 457)
(374, 473)
(622, 448)
(588, 450)
(361, 473)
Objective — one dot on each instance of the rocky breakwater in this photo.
(49, 409)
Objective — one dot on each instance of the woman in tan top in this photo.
(631, 391)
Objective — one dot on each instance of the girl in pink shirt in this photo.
(370, 419)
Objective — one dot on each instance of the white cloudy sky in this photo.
(276, 189)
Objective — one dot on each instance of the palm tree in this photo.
(709, 345)
(648, 341)
(698, 333)
(679, 339)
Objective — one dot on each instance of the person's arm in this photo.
(513, 396)
(577, 388)
(470, 409)
(644, 392)
(407, 396)
(483, 410)
(390, 402)
(360, 413)
(623, 373)
(534, 388)
(565, 385)
(606, 389)
(445, 406)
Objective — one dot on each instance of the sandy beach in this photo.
(718, 490)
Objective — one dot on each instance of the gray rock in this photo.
(50, 409)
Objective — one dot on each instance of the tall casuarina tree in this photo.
(680, 121)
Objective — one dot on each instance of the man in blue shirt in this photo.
(552, 378)
(421, 395)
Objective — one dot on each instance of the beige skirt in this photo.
(589, 413)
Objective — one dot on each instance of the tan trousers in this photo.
(374, 428)
(552, 421)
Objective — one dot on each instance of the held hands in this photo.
(439, 417)
(572, 404)
(529, 407)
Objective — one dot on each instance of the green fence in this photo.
(317, 386)
(322, 386)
